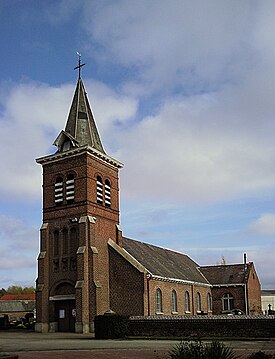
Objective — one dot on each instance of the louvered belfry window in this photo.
(70, 188)
(107, 194)
(99, 190)
(58, 191)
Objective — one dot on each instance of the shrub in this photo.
(198, 350)
(261, 355)
(218, 350)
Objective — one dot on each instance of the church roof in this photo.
(80, 128)
(164, 263)
(225, 274)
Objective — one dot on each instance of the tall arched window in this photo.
(58, 191)
(198, 302)
(107, 194)
(65, 241)
(228, 302)
(187, 302)
(56, 243)
(209, 302)
(99, 190)
(174, 302)
(73, 241)
(70, 188)
(158, 301)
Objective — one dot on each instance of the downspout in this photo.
(245, 285)
(148, 276)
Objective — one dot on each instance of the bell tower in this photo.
(80, 215)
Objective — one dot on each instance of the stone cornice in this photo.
(76, 152)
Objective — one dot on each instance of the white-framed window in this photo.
(58, 191)
(227, 302)
(174, 301)
(158, 301)
(107, 194)
(187, 302)
(209, 302)
(198, 302)
(99, 190)
(70, 188)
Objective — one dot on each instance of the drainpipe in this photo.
(148, 276)
(245, 285)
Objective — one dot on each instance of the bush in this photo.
(111, 326)
(261, 355)
(199, 350)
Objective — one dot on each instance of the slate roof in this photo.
(164, 262)
(225, 274)
(8, 306)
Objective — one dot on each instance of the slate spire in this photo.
(80, 124)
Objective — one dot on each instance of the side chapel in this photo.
(85, 266)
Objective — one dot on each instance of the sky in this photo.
(183, 94)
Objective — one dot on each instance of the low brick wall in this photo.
(214, 326)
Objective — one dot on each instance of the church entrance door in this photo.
(65, 315)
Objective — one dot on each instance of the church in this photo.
(86, 267)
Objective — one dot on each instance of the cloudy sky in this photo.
(183, 93)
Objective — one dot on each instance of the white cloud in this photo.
(265, 225)
(207, 147)
(32, 116)
(178, 43)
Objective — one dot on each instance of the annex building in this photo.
(86, 267)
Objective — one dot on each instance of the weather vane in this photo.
(79, 64)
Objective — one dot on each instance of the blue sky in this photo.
(183, 95)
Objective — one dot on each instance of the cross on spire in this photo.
(79, 65)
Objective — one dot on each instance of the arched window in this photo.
(70, 188)
(73, 241)
(58, 191)
(209, 302)
(187, 302)
(227, 302)
(158, 301)
(65, 241)
(56, 243)
(174, 302)
(198, 302)
(99, 190)
(107, 194)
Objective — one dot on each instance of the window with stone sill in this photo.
(227, 302)
(198, 302)
(209, 302)
(187, 302)
(174, 302)
(159, 301)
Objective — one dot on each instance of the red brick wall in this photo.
(254, 292)
(180, 288)
(126, 286)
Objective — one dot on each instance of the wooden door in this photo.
(65, 315)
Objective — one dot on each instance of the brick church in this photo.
(85, 265)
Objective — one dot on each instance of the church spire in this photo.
(80, 128)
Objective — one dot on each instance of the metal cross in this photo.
(79, 64)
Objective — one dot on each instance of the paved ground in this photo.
(31, 345)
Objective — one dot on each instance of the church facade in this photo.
(85, 265)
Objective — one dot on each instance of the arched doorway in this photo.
(64, 307)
